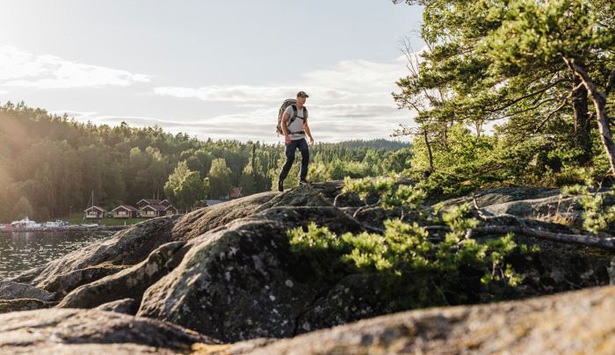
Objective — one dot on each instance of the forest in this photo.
(50, 164)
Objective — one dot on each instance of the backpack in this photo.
(293, 116)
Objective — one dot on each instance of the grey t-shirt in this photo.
(297, 124)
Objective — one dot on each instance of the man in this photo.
(294, 138)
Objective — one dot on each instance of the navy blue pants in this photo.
(302, 145)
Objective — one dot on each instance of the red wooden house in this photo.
(170, 210)
(124, 211)
(150, 211)
(94, 212)
(235, 193)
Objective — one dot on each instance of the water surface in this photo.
(20, 251)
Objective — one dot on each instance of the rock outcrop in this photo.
(125, 306)
(61, 331)
(575, 322)
(228, 272)
(128, 283)
(10, 290)
(241, 281)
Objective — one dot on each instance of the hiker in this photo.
(294, 126)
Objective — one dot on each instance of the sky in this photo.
(212, 69)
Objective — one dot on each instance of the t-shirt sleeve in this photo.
(289, 110)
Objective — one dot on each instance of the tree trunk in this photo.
(582, 127)
(603, 125)
(431, 169)
(599, 101)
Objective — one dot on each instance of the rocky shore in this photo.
(223, 279)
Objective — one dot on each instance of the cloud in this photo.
(81, 116)
(348, 81)
(365, 110)
(244, 93)
(360, 76)
(22, 69)
(350, 100)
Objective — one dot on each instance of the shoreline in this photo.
(64, 229)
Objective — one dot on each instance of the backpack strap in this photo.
(293, 116)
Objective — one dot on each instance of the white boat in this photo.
(89, 225)
(58, 223)
(25, 224)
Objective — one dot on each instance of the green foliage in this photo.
(184, 186)
(391, 193)
(547, 31)
(337, 162)
(189, 190)
(206, 187)
(219, 179)
(507, 62)
(410, 262)
(596, 216)
(470, 162)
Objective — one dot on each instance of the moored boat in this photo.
(57, 224)
(25, 223)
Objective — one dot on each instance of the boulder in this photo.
(62, 284)
(72, 331)
(495, 196)
(126, 306)
(195, 223)
(22, 304)
(241, 281)
(574, 322)
(128, 283)
(544, 204)
(12, 290)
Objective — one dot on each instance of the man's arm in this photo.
(285, 118)
(306, 128)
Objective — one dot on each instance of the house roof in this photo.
(150, 201)
(154, 207)
(94, 208)
(128, 207)
(169, 207)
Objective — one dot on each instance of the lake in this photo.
(20, 251)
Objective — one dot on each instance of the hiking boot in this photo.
(280, 185)
(303, 182)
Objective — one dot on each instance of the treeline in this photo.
(50, 164)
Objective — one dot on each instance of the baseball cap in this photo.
(302, 94)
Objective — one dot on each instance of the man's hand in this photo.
(311, 141)
(287, 139)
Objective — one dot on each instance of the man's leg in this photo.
(290, 158)
(305, 159)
